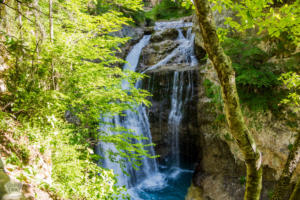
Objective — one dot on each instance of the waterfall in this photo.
(135, 121)
(175, 116)
(183, 54)
(150, 179)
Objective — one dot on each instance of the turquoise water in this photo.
(168, 184)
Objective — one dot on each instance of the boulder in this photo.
(155, 52)
(167, 34)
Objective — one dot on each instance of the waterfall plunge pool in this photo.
(170, 183)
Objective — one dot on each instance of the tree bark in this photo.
(283, 184)
(296, 193)
(226, 75)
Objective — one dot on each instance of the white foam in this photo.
(157, 181)
(176, 171)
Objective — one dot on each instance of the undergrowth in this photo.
(256, 78)
(167, 10)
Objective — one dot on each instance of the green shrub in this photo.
(243, 180)
(213, 92)
(256, 79)
(168, 9)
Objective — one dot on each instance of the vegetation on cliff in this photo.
(261, 15)
(168, 9)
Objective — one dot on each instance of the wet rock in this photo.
(149, 30)
(155, 52)
(135, 33)
(188, 18)
(199, 45)
(160, 85)
(167, 34)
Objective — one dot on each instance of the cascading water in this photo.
(183, 54)
(152, 181)
(135, 121)
(175, 117)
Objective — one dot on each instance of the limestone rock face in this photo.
(135, 33)
(220, 172)
(155, 52)
(175, 45)
(159, 36)
(160, 85)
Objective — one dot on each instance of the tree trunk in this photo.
(226, 75)
(283, 184)
(296, 193)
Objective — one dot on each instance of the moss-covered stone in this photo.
(194, 193)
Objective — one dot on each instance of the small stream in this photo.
(154, 181)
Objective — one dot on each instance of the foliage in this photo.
(292, 81)
(255, 77)
(270, 194)
(250, 64)
(73, 72)
(277, 22)
(243, 180)
(272, 17)
(168, 9)
(75, 173)
(132, 9)
(274, 24)
(213, 92)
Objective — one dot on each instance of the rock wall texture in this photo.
(160, 84)
(220, 173)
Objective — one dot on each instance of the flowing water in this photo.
(152, 181)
